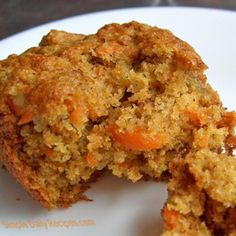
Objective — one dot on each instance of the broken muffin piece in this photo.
(201, 197)
(129, 98)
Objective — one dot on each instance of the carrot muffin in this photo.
(130, 98)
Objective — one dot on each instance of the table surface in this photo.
(18, 15)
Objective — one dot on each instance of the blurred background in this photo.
(18, 15)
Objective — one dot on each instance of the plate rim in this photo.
(109, 11)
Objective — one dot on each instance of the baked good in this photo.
(201, 197)
(130, 98)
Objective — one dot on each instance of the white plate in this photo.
(120, 207)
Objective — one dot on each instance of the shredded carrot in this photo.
(110, 48)
(231, 140)
(171, 218)
(230, 119)
(194, 118)
(26, 117)
(70, 106)
(91, 160)
(136, 139)
(76, 116)
(76, 111)
(48, 152)
(72, 103)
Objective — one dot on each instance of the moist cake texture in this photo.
(132, 99)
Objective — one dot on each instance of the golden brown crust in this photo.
(9, 157)
(24, 174)
(21, 173)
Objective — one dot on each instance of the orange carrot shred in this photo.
(136, 139)
(75, 116)
(231, 140)
(110, 49)
(48, 152)
(91, 160)
(72, 103)
(69, 105)
(194, 118)
(26, 117)
(230, 119)
(170, 217)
